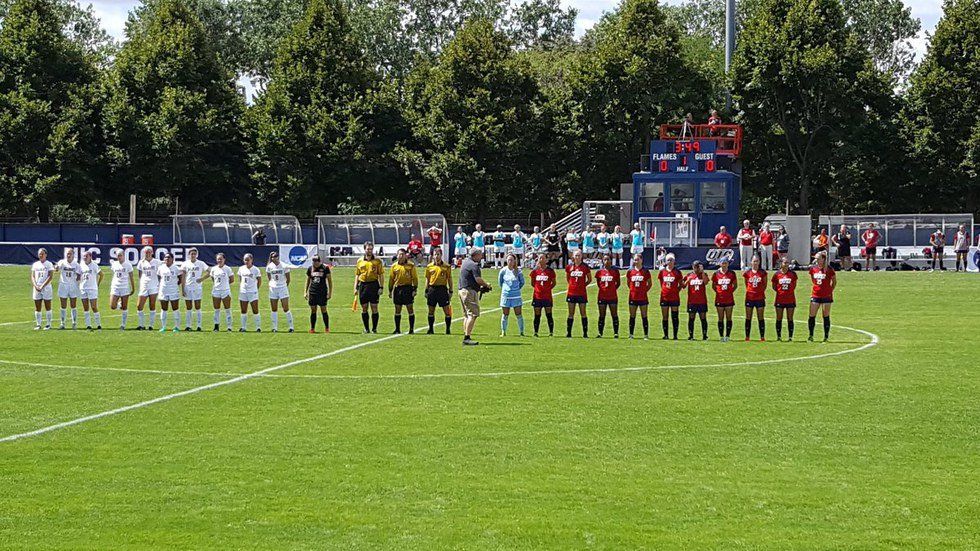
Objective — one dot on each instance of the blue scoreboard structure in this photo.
(695, 178)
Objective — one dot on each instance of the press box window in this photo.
(652, 197)
(682, 197)
(713, 197)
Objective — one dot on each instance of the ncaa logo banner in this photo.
(297, 256)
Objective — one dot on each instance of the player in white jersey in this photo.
(222, 278)
(69, 275)
(278, 274)
(91, 275)
(122, 286)
(41, 273)
(250, 280)
(191, 287)
(149, 287)
(171, 277)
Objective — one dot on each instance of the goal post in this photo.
(341, 237)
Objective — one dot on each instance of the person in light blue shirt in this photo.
(479, 239)
(518, 242)
(616, 240)
(459, 244)
(602, 241)
(588, 243)
(511, 281)
(499, 247)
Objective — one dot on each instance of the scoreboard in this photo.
(679, 156)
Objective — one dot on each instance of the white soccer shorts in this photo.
(636, 249)
(278, 293)
(148, 290)
(44, 294)
(169, 297)
(248, 297)
(89, 294)
(220, 294)
(192, 293)
(68, 291)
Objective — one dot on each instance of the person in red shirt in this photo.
(696, 283)
(579, 276)
(756, 281)
(670, 294)
(639, 281)
(871, 238)
(415, 249)
(608, 280)
(724, 282)
(766, 239)
(722, 239)
(824, 282)
(435, 240)
(543, 280)
(784, 283)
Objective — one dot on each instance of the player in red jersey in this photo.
(696, 283)
(670, 294)
(824, 280)
(415, 249)
(784, 283)
(435, 240)
(579, 276)
(756, 281)
(543, 279)
(608, 280)
(870, 237)
(639, 280)
(724, 282)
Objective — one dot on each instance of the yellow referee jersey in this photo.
(437, 275)
(403, 274)
(369, 270)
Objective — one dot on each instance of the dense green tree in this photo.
(80, 25)
(174, 114)
(802, 81)
(50, 140)
(942, 120)
(631, 78)
(885, 29)
(480, 134)
(314, 145)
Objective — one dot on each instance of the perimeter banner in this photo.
(26, 253)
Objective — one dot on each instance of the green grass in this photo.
(873, 449)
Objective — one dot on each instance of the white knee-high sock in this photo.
(244, 321)
(139, 314)
(48, 316)
(275, 320)
(258, 321)
(520, 323)
(177, 318)
(163, 318)
(88, 319)
(228, 317)
(98, 319)
(63, 311)
(198, 318)
(217, 316)
(37, 318)
(289, 318)
(74, 316)
(125, 315)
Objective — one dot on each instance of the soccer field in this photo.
(228, 440)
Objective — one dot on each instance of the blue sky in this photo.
(113, 14)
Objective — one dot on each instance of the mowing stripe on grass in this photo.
(202, 388)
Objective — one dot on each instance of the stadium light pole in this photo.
(729, 45)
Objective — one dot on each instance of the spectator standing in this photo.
(471, 284)
(842, 241)
(766, 240)
(870, 237)
(938, 242)
(722, 239)
(961, 246)
(258, 238)
(782, 244)
(746, 245)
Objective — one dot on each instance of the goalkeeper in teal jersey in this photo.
(518, 242)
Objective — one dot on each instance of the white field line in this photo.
(202, 388)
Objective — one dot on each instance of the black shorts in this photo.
(437, 296)
(554, 249)
(755, 304)
(818, 300)
(669, 303)
(843, 252)
(871, 251)
(576, 300)
(785, 305)
(317, 299)
(403, 295)
(724, 304)
(601, 302)
(639, 302)
(937, 251)
(696, 308)
(542, 303)
(369, 292)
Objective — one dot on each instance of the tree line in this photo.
(475, 108)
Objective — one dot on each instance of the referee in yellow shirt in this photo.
(368, 275)
(403, 283)
(438, 288)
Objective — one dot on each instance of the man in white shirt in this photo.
(91, 277)
(250, 279)
(192, 289)
(69, 274)
(41, 273)
(746, 244)
(278, 274)
(171, 276)
(149, 287)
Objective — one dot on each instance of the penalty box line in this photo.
(211, 386)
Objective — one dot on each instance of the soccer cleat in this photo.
(616, 336)
(274, 330)
(396, 332)
(826, 340)
(215, 327)
(789, 339)
(779, 339)
(704, 337)
(62, 328)
(326, 331)
(690, 337)
(122, 327)
(37, 327)
(176, 329)
(240, 329)
(747, 339)
(229, 329)
(198, 328)
(367, 331)
(150, 328)
(88, 327)
(312, 331)
(291, 330)
(470, 342)
(258, 329)
(502, 334)
(666, 337)
(430, 332)
(810, 339)
(535, 334)
(99, 328)
(763, 339)
(163, 329)
(74, 326)
(47, 327)
(631, 337)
